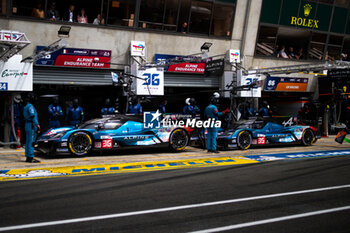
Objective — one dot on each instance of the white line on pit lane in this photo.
(152, 211)
(272, 220)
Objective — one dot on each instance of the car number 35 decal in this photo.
(261, 140)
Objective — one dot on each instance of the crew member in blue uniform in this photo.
(191, 108)
(31, 127)
(134, 107)
(162, 106)
(55, 113)
(212, 112)
(264, 110)
(107, 109)
(75, 114)
(251, 110)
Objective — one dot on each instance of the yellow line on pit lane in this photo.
(40, 173)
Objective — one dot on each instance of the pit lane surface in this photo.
(118, 198)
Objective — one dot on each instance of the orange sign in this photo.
(291, 87)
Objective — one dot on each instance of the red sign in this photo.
(261, 141)
(188, 68)
(82, 61)
(107, 143)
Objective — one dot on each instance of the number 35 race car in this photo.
(259, 131)
(108, 134)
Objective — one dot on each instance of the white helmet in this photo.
(17, 98)
(216, 95)
(187, 101)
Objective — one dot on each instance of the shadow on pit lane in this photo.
(156, 150)
(118, 152)
(267, 146)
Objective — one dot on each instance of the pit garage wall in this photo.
(245, 30)
(116, 40)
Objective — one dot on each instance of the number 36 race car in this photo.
(259, 131)
(108, 134)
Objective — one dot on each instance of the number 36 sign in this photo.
(254, 90)
(151, 82)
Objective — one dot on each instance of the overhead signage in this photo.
(16, 75)
(74, 57)
(286, 84)
(253, 91)
(339, 74)
(187, 68)
(305, 22)
(180, 64)
(234, 56)
(138, 48)
(10, 36)
(215, 67)
(150, 82)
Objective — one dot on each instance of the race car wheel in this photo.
(80, 143)
(244, 140)
(178, 140)
(308, 137)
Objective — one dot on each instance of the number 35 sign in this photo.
(151, 82)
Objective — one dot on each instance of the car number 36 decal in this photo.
(107, 143)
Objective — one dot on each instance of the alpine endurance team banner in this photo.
(151, 82)
(16, 75)
(181, 66)
(286, 84)
(75, 57)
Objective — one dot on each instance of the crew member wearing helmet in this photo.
(107, 109)
(264, 110)
(162, 106)
(31, 127)
(75, 114)
(212, 112)
(55, 112)
(134, 106)
(191, 108)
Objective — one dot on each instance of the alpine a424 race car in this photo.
(259, 131)
(103, 134)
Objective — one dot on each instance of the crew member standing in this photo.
(75, 114)
(211, 112)
(191, 108)
(55, 112)
(107, 109)
(134, 107)
(162, 106)
(264, 110)
(31, 127)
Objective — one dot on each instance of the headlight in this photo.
(57, 136)
(229, 134)
(63, 144)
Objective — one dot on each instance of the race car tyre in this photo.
(178, 140)
(244, 140)
(80, 143)
(308, 137)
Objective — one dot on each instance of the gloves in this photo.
(38, 128)
(226, 111)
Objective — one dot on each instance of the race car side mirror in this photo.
(100, 126)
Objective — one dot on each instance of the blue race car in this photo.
(259, 131)
(111, 133)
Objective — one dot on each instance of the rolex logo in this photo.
(307, 9)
